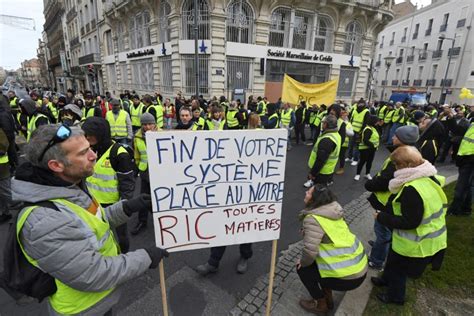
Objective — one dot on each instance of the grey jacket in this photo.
(314, 235)
(76, 260)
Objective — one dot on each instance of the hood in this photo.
(434, 130)
(32, 184)
(332, 211)
(100, 128)
(29, 106)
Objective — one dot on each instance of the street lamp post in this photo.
(442, 97)
(388, 63)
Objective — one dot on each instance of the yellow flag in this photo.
(313, 93)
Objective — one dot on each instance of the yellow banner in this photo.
(313, 93)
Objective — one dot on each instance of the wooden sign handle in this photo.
(271, 277)
(163, 288)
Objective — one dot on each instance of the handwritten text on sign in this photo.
(215, 188)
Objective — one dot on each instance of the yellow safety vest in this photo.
(381, 112)
(357, 119)
(264, 108)
(320, 117)
(398, 115)
(430, 236)
(140, 154)
(383, 196)
(232, 120)
(136, 113)
(274, 115)
(286, 117)
(313, 116)
(199, 124)
(66, 300)
(159, 114)
(103, 184)
(54, 110)
(374, 138)
(118, 127)
(13, 103)
(211, 126)
(330, 164)
(467, 143)
(388, 116)
(32, 124)
(346, 140)
(4, 159)
(344, 255)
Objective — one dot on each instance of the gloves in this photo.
(156, 254)
(141, 202)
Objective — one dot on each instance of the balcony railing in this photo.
(399, 60)
(428, 32)
(378, 63)
(71, 14)
(415, 36)
(404, 39)
(461, 23)
(76, 70)
(93, 24)
(405, 83)
(443, 28)
(422, 56)
(455, 51)
(74, 42)
(89, 59)
(384, 82)
(417, 83)
(447, 82)
(394, 82)
(88, 28)
(410, 58)
(437, 53)
(392, 42)
(430, 82)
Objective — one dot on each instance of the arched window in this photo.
(188, 20)
(280, 27)
(139, 30)
(239, 22)
(353, 41)
(165, 30)
(324, 33)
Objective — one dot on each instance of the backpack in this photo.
(19, 276)
(114, 154)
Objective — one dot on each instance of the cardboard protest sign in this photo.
(215, 188)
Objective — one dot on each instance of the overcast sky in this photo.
(16, 44)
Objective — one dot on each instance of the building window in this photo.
(123, 74)
(420, 72)
(239, 22)
(408, 73)
(142, 74)
(188, 20)
(434, 70)
(108, 43)
(280, 28)
(121, 35)
(324, 34)
(303, 72)
(302, 30)
(239, 73)
(346, 82)
(111, 76)
(164, 24)
(139, 30)
(353, 41)
(189, 77)
(166, 74)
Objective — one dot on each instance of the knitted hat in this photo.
(408, 134)
(147, 118)
(74, 109)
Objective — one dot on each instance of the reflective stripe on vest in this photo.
(330, 164)
(274, 115)
(232, 120)
(136, 113)
(467, 144)
(264, 108)
(374, 138)
(54, 110)
(388, 116)
(66, 300)
(32, 124)
(345, 255)
(103, 184)
(357, 119)
(381, 112)
(118, 127)
(398, 115)
(430, 236)
(159, 114)
(286, 117)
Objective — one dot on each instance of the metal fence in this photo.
(166, 74)
(239, 73)
(142, 74)
(239, 22)
(347, 79)
(188, 20)
(280, 28)
(188, 73)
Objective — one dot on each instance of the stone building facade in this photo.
(245, 46)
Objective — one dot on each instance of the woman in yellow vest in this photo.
(217, 121)
(332, 258)
(417, 220)
(368, 145)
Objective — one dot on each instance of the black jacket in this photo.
(379, 183)
(430, 140)
(325, 147)
(300, 118)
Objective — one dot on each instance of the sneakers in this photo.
(368, 176)
(330, 183)
(348, 159)
(354, 163)
(357, 177)
(242, 266)
(308, 184)
(205, 269)
(340, 171)
(374, 266)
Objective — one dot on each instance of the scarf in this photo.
(405, 175)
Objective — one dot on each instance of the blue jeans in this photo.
(462, 194)
(381, 245)
(392, 132)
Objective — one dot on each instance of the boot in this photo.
(328, 297)
(318, 307)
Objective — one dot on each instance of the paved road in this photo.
(219, 293)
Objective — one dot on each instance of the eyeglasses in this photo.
(61, 135)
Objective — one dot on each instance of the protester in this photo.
(120, 124)
(369, 143)
(417, 221)
(170, 113)
(254, 121)
(199, 121)
(34, 116)
(185, 119)
(287, 120)
(349, 134)
(5, 183)
(432, 133)
(70, 115)
(271, 120)
(217, 121)
(332, 258)
(232, 116)
(300, 117)
(136, 110)
(88, 274)
(358, 119)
